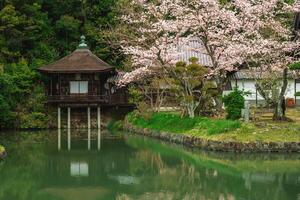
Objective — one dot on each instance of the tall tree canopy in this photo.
(232, 34)
(36, 32)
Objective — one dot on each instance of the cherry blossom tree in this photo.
(268, 48)
(154, 40)
(164, 27)
(232, 34)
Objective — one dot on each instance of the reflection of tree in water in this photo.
(188, 173)
(25, 164)
(178, 181)
(146, 160)
(201, 175)
(143, 169)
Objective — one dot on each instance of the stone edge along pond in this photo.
(213, 145)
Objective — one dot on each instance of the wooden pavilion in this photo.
(82, 80)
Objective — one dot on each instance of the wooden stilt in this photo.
(89, 127)
(59, 128)
(69, 128)
(59, 139)
(58, 118)
(99, 126)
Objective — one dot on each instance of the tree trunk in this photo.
(218, 97)
(191, 111)
(278, 110)
(219, 103)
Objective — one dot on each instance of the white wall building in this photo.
(245, 80)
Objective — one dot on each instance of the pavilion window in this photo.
(78, 87)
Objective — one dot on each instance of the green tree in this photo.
(234, 103)
(36, 32)
(188, 81)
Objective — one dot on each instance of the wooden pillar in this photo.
(89, 127)
(59, 127)
(69, 128)
(51, 87)
(59, 139)
(99, 126)
(89, 117)
(58, 118)
(59, 85)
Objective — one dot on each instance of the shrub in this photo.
(34, 120)
(294, 66)
(144, 110)
(114, 125)
(234, 103)
(5, 113)
(2, 149)
(297, 94)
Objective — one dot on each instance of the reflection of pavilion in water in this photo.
(89, 169)
(81, 155)
(132, 171)
(69, 139)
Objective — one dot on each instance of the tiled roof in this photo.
(81, 60)
(251, 74)
(194, 48)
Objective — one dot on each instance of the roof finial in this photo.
(82, 44)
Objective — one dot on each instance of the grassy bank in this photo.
(219, 129)
(172, 122)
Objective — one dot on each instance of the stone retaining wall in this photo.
(227, 146)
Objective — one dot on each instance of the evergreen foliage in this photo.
(295, 66)
(234, 103)
(36, 32)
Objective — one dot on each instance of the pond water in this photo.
(138, 168)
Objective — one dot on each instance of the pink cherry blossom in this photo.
(231, 35)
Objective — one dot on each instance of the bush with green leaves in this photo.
(33, 120)
(144, 111)
(297, 94)
(234, 103)
(2, 149)
(188, 81)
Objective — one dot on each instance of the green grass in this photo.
(172, 122)
(269, 132)
(219, 129)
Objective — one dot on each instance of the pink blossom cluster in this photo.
(231, 34)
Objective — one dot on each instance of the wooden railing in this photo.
(114, 99)
(78, 98)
